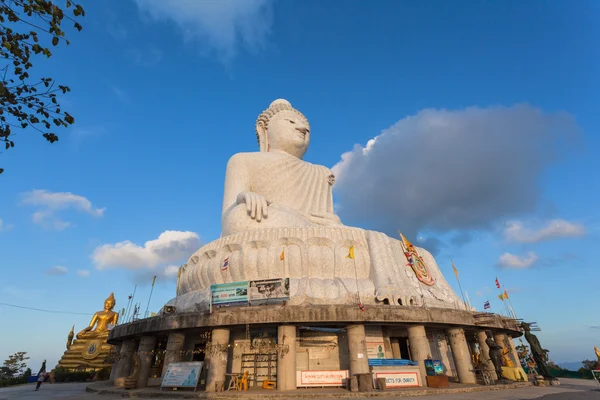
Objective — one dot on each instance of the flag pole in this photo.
(149, 297)
(458, 280)
(130, 303)
(514, 314)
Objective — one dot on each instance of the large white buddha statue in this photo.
(278, 222)
(274, 187)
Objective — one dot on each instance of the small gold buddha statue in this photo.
(99, 324)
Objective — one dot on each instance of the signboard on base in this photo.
(268, 291)
(398, 379)
(321, 378)
(229, 294)
(182, 375)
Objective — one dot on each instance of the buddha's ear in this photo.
(263, 140)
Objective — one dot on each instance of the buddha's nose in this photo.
(303, 130)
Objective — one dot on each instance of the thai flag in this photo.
(486, 305)
(225, 264)
(497, 283)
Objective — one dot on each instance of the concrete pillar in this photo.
(462, 356)
(443, 345)
(145, 353)
(286, 363)
(396, 348)
(419, 348)
(357, 348)
(173, 352)
(123, 366)
(217, 358)
(503, 340)
(113, 369)
(515, 354)
(484, 355)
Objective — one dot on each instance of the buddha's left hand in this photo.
(325, 219)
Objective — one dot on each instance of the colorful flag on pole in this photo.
(497, 283)
(486, 305)
(351, 253)
(282, 256)
(505, 295)
(153, 280)
(501, 296)
(225, 264)
(455, 270)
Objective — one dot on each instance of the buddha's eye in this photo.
(291, 122)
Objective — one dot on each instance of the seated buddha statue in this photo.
(98, 326)
(275, 187)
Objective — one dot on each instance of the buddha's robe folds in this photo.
(295, 190)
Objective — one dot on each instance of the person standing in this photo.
(41, 378)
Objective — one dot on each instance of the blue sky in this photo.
(484, 120)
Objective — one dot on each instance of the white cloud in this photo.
(508, 260)
(50, 203)
(171, 271)
(221, 26)
(121, 94)
(170, 246)
(84, 273)
(5, 227)
(57, 270)
(516, 231)
(444, 170)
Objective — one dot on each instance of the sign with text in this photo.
(229, 294)
(268, 291)
(182, 374)
(398, 379)
(374, 339)
(321, 378)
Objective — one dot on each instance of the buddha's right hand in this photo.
(256, 204)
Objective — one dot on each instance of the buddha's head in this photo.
(110, 302)
(281, 127)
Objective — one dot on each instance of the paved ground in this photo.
(570, 389)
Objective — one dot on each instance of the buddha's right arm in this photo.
(237, 180)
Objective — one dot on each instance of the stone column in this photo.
(502, 339)
(357, 347)
(145, 353)
(286, 363)
(443, 344)
(515, 354)
(419, 348)
(113, 369)
(123, 366)
(217, 358)
(461, 355)
(484, 355)
(396, 348)
(173, 350)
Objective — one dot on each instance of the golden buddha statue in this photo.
(99, 324)
(89, 350)
(506, 361)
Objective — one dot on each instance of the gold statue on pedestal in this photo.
(90, 349)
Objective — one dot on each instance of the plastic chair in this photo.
(267, 384)
(243, 382)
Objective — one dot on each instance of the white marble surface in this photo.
(274, 201)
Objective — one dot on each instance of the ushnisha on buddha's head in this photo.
(283, 128)
(110, 302)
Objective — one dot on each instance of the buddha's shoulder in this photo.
(255, 157)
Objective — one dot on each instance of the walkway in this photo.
(570, 389)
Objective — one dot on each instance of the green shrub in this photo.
(65, 375)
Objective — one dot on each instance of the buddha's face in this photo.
(108, 305)
(289, 132)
